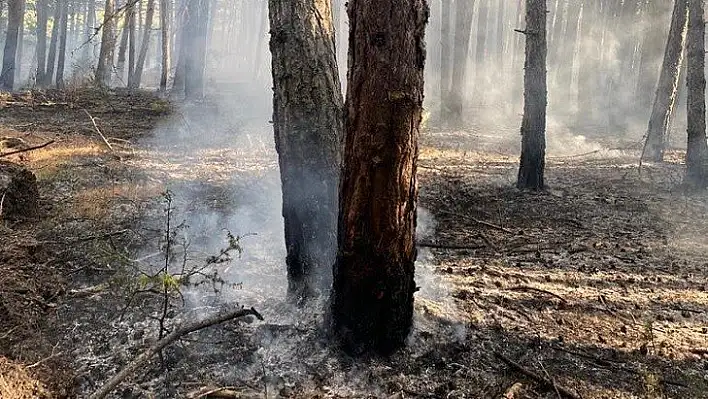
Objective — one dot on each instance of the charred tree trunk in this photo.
(15, 9)
(308, 137)
(62, 44)
(533, 125)
(463, 31)
(668, 84)
(372, 294)
(53, 42)
(196, 55)
(445, 60)
(124, 36)
(697, 150)
(105, 58)
(144, 45)
(164, 43)
(41, 49)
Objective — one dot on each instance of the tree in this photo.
(697, 149)
(144, 46)
(463, 31)
(666, 89)
(164, 43)
(41, 49)
(372, 293)
(445, 59)
(51, 58)
(124, 36)
(308, 124)
(196, 43)
(15, 10)
(105, 58)
(533, 124)
(62, 44)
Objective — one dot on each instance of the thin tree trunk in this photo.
(62, 44)
(105, 58)
(463, 30)
(665, 98)
(372, 295)
(183, 47)
(132, 44)
(308, 128)
(53, 42)
(20, 44)
(697, 149)
(195, 62)
(480, 71)
(87, 55)
(123, 46)
(445, 60)
(15, 10)
(144, 45)
(164, 43)
(41, 49)
(533, 125)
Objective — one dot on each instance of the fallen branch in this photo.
(563, 391)
(446, 246)
(27, 149)
(93, 120)
(481, 222)
(222, 393)
(161, 344)
(528, 288)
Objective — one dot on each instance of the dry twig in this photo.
(27, 149)
(105, 140)
(185, 329)
(528, 288)
(563, 391)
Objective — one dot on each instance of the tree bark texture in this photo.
(105, 58)
(194, 40)
(164, 43)
(123, 46)
(533, 125)
(15, 9)
(144, 46)
(372, 295)
(308, 123)
(665, 97)
(697, 150)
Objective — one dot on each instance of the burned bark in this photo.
(52, 57)
(164, 43)
(15, 10)
(308, 123)
(665, 98)
(533, 125)
(697, 149)
(62, 44)
(372, 294)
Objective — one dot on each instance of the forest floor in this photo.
(595, 288)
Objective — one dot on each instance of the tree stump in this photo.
(18, 192)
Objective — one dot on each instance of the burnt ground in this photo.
(597, 285)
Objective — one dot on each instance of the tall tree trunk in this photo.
(372, 294)
(87, 54)
(185, 35)
(15, 9)
(144, 45)
(668, 84)
(195, 62)
(132, 44)
(20, 44)
(463, 30)
(53, 42)
(308, 137)
(533, 125)
(445, 60)
(62, 43)
(697, 150)
(164, 43)
(105, 58)
(480, 70)
(41, 49)
(123, 46)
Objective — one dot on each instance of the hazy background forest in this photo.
(603, 61)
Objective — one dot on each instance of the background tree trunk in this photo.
(105, 58)
(445, 60)
(463, 30)
(196, 54)
(41, 49)
(87, 55)
(124, 36)
(132, 44)
(144, 46)
(533, 125)
(15, 9)
(372, 295)
(52, 57)
(164, 43)
(62, 43)
(19, 56)
(308, 127)
(668, 84)
(697, 150)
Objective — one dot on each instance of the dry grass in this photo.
(16, 382)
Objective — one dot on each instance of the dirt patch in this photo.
(17, 383)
